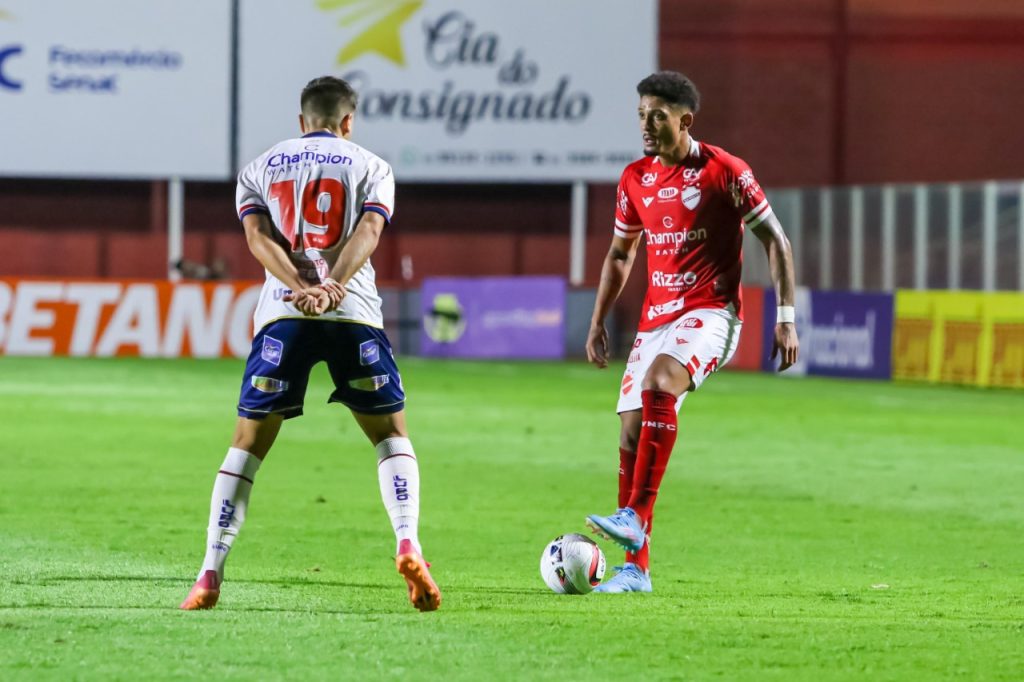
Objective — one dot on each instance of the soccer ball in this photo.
(572, 564)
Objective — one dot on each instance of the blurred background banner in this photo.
(104, 318)
(115, 89)
(493, 317)
(842, 333)
(453, 90)
(960, 337)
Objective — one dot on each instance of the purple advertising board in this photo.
(493, 317)
(843, 334)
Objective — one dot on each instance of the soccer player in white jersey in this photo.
(313, 209)
(690, 202)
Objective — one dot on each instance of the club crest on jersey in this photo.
(648, 179)
(647, 201)
(691, 197)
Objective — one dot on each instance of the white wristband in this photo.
(785, 313)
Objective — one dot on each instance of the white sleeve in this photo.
(380, 190)
(248, 198)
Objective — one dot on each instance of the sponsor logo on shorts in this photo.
(370, 383)
(272, 349)
(681, 341)
(690, 323)
(269, 384)
(627, 384)
(369, 352)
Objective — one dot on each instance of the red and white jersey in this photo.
(692, 216)
(315, 188)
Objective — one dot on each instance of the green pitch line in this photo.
(807, 530)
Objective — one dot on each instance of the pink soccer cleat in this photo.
(423, 591)
(204, 593)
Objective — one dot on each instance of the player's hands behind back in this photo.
(785, 345)
(318, 299)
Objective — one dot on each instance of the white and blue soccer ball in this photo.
(572, 564)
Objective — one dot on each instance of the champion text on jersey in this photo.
(312, 157)
(676, 238)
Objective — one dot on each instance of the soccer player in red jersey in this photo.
(690, 201)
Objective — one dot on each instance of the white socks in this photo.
(399, 476)
(230, 498)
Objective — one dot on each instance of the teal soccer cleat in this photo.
(630, 578)
(623, 528)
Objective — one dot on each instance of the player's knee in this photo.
(659, 380)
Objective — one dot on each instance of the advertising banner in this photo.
(493, 317)
(842, 334)
(105, 318)
(960, 337)
(450, 90)
(115, 88)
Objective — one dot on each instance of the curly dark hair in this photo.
(673, 87)
(327, 99)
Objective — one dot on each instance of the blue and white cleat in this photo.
(623, 528)
(629, 578)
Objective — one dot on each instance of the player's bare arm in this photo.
(614, 273)
(310, 300)
(358, 248)
(780, 261)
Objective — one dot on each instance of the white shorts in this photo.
(701, 340)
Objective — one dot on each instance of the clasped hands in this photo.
(318, 298)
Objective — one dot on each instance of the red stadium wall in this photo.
(809, 94)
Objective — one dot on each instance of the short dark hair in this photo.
(673, 87)
(328, 100)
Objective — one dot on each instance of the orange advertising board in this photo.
(106, 318)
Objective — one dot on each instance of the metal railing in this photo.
(919, 236)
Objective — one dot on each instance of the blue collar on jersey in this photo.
(320, 133)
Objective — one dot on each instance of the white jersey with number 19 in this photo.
(315, 188)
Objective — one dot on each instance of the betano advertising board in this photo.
(115, 88)
(450, 90)
(104, 318)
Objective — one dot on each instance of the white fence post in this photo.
(990, 195)
(888, 237)
(956, 218)
(175, 227)
(857, 238)
(825, 253)
(578, 233)
(920, 236)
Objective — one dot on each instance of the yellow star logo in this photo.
(384, 18)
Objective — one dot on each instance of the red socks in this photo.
(627, 462)
(657, 436)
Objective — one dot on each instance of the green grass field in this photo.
(807, 530)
